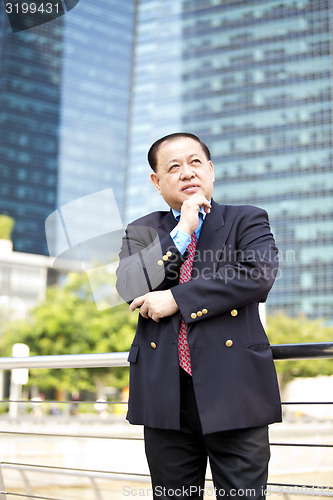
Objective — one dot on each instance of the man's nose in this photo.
(186, 171)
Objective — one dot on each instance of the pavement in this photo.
(86, 442)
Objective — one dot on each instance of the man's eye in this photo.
(173, 167)
(196, 160)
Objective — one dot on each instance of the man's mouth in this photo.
(190, 188)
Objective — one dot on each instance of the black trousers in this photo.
(178, 459)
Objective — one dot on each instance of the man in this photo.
(202, 378)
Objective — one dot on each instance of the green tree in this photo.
(282, 329)
(6, 227)
(68, 322)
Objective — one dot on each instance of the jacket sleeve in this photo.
(148, 262)
(245, 278)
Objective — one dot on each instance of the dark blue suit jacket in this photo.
(233, 371)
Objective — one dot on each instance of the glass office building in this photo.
(258, 88)
(156, 107)
(64, 106)
(95, 97)
(30, 93)
(254, 81)
(83, 98)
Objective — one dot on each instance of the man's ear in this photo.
(213, 171)
(154, 179)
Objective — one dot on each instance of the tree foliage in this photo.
(6, 227)
(68, 322)
(282, 329)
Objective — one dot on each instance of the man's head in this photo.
(153, 151)
(181, 166)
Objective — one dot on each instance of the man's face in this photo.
(182, 170)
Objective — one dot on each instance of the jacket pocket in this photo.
(133, 354)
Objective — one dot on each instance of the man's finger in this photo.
(202, 201)
(206, 202)
(207, 207)
(155, 318)
(144, 311)
(137, 302)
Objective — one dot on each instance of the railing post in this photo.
(96, 489)
(3, 495)
(26, 483)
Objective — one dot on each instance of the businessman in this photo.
(202, 377)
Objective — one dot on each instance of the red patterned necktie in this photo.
(185, 275)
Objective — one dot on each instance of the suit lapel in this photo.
(166, 225)
(214, 233)
(212, 238)
(168, 222)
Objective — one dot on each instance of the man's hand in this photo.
(189, 215)
(155, 305)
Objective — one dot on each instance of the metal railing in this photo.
(280, 352)
(313, 350)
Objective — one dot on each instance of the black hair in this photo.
(152, 153)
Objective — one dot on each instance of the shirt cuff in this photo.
(180, 239)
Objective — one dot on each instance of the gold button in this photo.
(169, 253)
(153, 345)
(234, 312)
(193, 315)
(165, 257)
(204, 311)
(199, 313)
(160, 262)
(228, 343)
